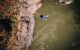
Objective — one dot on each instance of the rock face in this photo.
(21, 36)
(66, 2)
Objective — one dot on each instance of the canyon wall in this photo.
(20, 14)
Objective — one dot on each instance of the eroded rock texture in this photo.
(17, 23)
(65, 2)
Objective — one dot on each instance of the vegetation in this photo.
(8, 22)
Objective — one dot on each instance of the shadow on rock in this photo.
(5, 31)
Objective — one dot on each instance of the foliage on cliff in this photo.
(8, 21)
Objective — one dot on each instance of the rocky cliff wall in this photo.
(20, 14)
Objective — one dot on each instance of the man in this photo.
(44, 17)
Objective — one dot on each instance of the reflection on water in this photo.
(77, 22)
(77, 11)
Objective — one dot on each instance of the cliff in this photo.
(17, 23)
